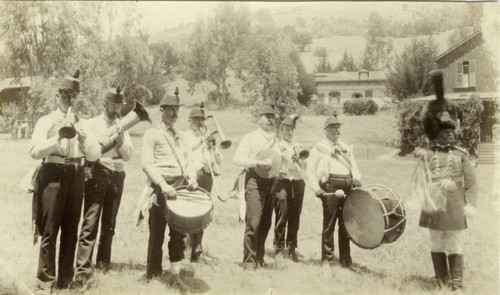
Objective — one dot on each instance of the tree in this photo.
(408, 74)
(378, 42)
(227, 30)
(346, 63)
(323, 65)
(307, 86)
(267, 71)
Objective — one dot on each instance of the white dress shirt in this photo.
(115, 157)
(200, 152)
(292, 168)
(323, 160)
(44, 141)
(253, 143)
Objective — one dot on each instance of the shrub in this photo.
(10, 112)
(412, 132)
(360, 107)
(322, 109)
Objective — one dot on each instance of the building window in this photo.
(466, 74)
(368, 93)
(357, 95)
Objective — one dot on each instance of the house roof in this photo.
(462, 96)
(10, 83)
(349, 76)
(458, 45)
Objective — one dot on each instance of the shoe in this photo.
(176, 282)
(328, 263)
(148, 277)
(249, 266)
(346, 262)
(80, 281)
(293, 256)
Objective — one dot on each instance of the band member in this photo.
(165, 160)
(204, 152)
(289, 191)
(446, 183)
(258, 190)
(332, 173)
(63, 144)
(103, 192)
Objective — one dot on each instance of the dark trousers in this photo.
(288, 211)
(157, 225)
(332, 210)
(206, 183)
(259, 201)
(103, 193)
(59, 199)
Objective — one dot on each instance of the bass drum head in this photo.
(191, 212)
(363, 219)
(275, 158)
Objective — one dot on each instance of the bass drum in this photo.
(191, 211)
(373, 215)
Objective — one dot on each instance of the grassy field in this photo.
(403, 267)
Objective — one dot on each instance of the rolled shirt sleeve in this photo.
(312, 178)
(470, 182)
(41, 146)
(242, 155)
(148, 159)
(126, 150)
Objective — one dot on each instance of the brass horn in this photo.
(213, 128)
(68, 131)
(133, 117)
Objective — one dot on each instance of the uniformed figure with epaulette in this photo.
(446, 183)
(62, 142)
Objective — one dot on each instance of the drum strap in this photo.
(339, 157)
(173, 150)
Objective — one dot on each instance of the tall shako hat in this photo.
(172, 101)
(439, 113)
(71, 83)
(115, 95)
(334, 120)
(290, 120)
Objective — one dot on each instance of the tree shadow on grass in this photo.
(357, 268)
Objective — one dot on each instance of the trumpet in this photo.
(133, 117)
(69, 131)
(214, 168)
(300, 152)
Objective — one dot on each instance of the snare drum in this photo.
(373, 215)
(190, 212)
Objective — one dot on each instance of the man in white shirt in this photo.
(289, 191)
(104, 190)
(258, 190)
(166, 160)
(60, 184)
(204, 152)
(331, 174)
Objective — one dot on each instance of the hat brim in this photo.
(333, 124)
(171, 105)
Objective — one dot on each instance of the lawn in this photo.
(400, 267)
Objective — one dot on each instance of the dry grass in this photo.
(401, 267)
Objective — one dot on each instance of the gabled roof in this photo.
(458, 45)
(9, 83)
(349, 76)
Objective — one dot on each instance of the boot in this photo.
(440, 267)
(456, 270)
(176, 282)
(292, 255)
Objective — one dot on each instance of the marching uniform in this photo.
(103, 193)
(165, 160)
(289, 196)
(199, 157)
(258, 193)
(59, 190)
(331, 167)
(445, 181)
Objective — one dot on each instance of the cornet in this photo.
(68, 131)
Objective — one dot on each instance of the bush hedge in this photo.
(412, 133)
(360, 107)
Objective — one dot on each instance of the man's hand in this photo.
(470, 210)
(205, 170)
(105, 142)
(192, 184)
(264, 164)
(356, 182)
(168, 191)
(320, 194)
(211, 141)
(281, 195)
(120, 138)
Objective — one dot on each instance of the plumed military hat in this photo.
(333, 120)
(438, 113)
(171, 101)
(290, 120)
(196, 113)
(71, 83)
(115, 95)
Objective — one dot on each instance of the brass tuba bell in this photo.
(68, 131)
